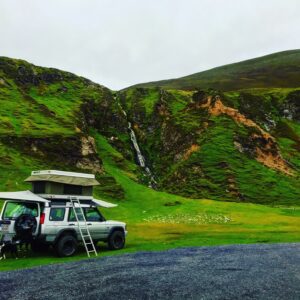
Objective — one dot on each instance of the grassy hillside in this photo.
(221, 151)
(158, 221)
(276, 70)
(236, 147)
(44, 117)
(193, 149)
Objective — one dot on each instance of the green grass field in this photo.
(159, 221)
(45, 112)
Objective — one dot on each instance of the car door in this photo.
(54, 221)
(72, 221)
(96, 223)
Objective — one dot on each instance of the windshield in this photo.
(15, 209)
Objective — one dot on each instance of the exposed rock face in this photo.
(292, 106)
(72, 151)
(26, 74)
(90, 165)
(88, 146)
(90, 160)
(260, 143)
(190, 151)
(103, 114)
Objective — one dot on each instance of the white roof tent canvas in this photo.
(60, 179)
(73, 178)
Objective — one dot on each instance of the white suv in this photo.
(54, 223)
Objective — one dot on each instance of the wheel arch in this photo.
(65, 232)
(116, 228)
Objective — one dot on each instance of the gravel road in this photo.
(259, 271)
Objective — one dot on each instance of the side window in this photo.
(70, 189)
(39, 187)
(57, 214)
(72, 217)
(93, 215)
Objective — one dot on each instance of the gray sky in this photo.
(122, 42)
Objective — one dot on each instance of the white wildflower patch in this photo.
(189, 219)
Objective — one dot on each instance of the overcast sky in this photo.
(122, 42)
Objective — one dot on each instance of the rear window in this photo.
(57, 214)
(13, 210)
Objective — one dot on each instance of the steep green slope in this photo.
(44, 123)
(243, 146)
(276, 70)
(230, 146)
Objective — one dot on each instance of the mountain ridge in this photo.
(198, 143)
(195, 80)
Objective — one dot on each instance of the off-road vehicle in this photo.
(59, 212)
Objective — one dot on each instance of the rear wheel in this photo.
(66, 246)
(116, 241)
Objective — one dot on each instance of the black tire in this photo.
(66, 246)
(116, 240)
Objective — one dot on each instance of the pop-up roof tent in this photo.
(62, 177)
(52, 185)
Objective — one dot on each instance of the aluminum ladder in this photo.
(83, 228)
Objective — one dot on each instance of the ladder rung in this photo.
(84, 230)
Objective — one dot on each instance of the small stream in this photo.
(140, 158)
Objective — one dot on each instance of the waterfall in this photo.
(140, 157)
(139, 154)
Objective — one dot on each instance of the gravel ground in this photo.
(260, 271)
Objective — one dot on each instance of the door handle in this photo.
(89, 224)
(71, 224)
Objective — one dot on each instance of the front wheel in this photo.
(66, 246)
(116, 241)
